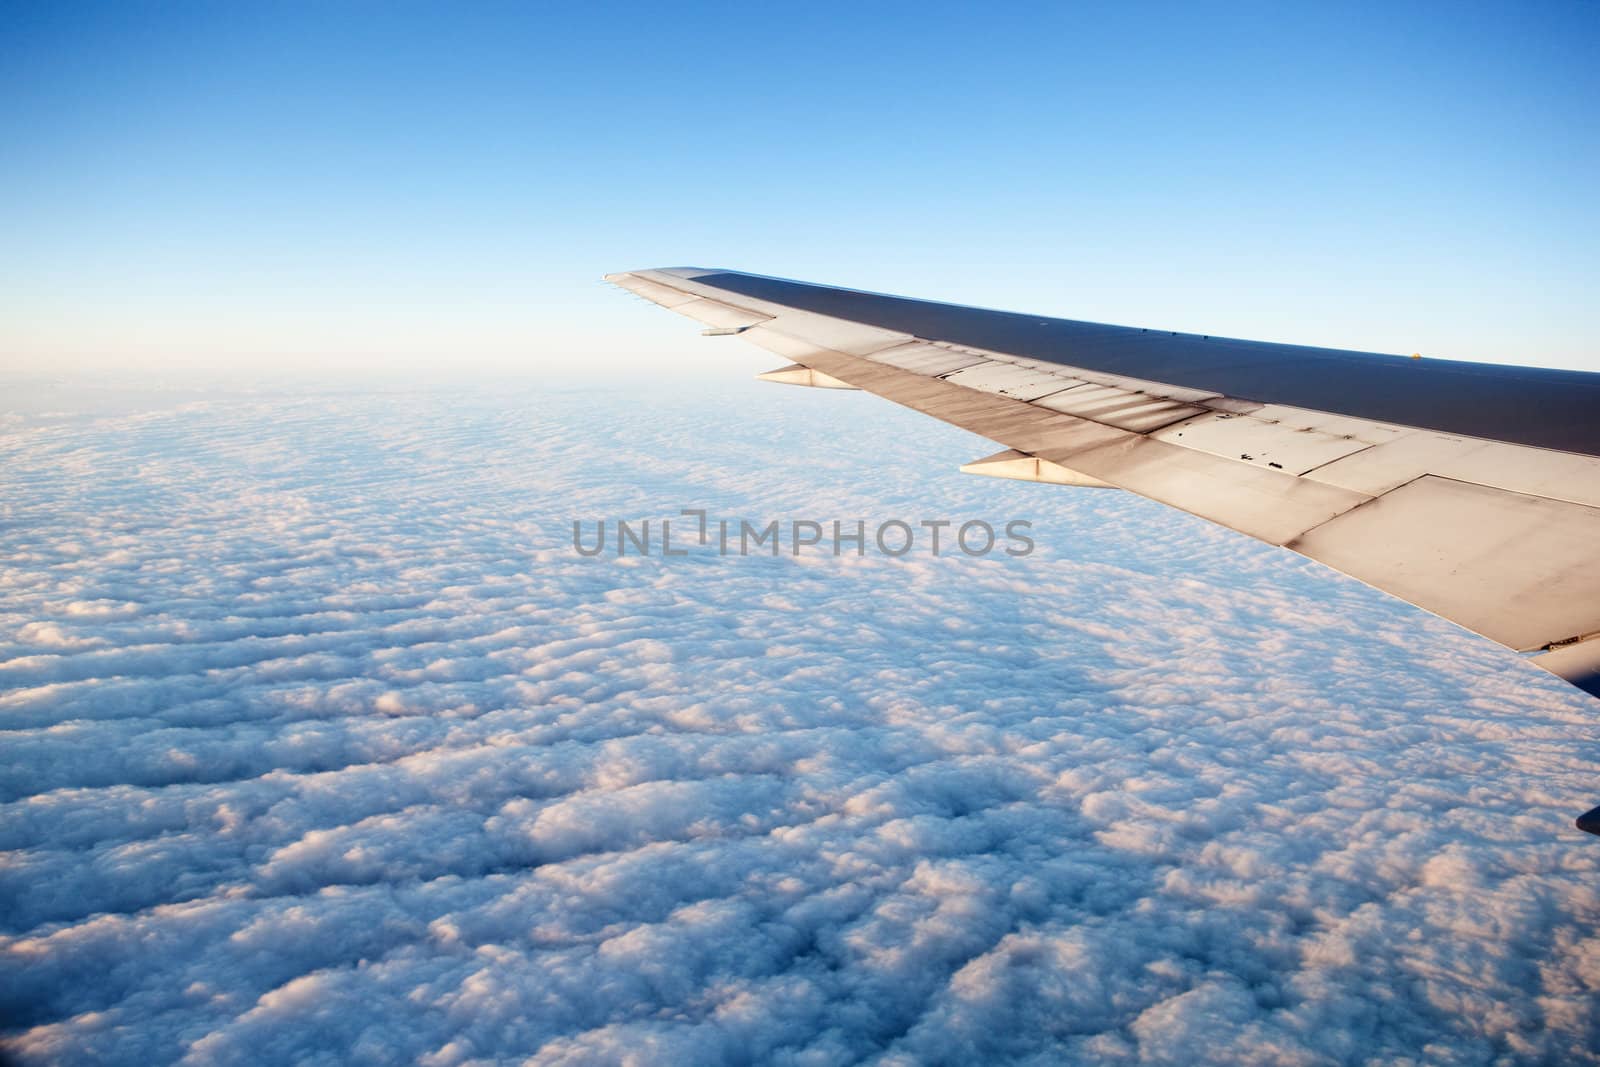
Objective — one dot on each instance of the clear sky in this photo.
(392, 187)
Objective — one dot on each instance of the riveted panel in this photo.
(1118, 407)
(1120, 382)
(1535, 471)
(1005, 379)
(926, 359)
(1515, 568)
(1263, 444)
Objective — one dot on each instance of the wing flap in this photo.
(931, 360)
(1122, 408)
(1514, 568)
(1260, 442)
(1514, 468)
(1578, 663)
(1008, 379)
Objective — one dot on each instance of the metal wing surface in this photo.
(1468, 489)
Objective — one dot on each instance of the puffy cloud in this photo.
(321, 743)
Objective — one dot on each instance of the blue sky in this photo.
(391, 188)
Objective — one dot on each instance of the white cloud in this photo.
(320, 741)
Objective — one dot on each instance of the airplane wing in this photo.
(1468, 489)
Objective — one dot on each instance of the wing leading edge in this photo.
(1470, 490)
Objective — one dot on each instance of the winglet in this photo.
(1590, 821)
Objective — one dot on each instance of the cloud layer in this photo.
(321, 742)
